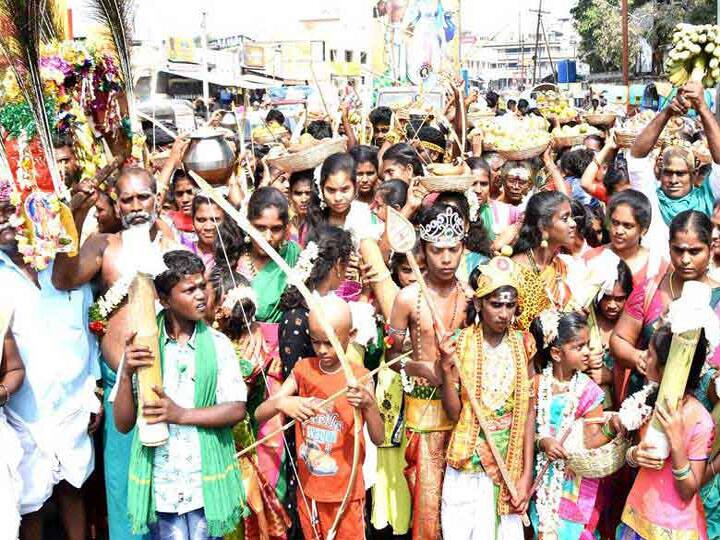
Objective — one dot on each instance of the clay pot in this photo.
(210, 156)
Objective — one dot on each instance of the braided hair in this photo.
(334, 245)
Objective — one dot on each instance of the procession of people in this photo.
(496, 320)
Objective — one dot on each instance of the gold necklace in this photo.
(251, 265)
(672, 289)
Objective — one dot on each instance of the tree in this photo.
(653, 20)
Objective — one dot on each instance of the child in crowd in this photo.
(189, 488)
(325, 435)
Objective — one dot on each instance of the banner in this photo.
(414, 40)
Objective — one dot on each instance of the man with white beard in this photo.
(55, 411)
(106, 259)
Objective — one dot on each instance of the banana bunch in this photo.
(695, 55)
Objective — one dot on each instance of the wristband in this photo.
(629, 459)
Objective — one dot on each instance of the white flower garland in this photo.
(112, 298)
(550, 490)
(549, 320)
(634, 412)
(473, 204)
(304, 265)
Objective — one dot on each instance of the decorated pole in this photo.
(401, 235)
(141, 305)
(313, 304)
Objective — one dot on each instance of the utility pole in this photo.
(206, 73)
(547, 46)
(460, 34)
(537, 41)
(625, 53)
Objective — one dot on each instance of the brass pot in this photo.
(210, 156)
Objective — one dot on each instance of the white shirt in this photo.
(50, 328)
(177, 470)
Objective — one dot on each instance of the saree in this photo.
(267, 519)
(650, 312)
(541, 290)
(269, 284)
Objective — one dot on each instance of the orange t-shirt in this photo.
(325, 442)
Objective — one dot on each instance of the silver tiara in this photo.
(446, 229)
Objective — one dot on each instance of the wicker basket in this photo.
(310, 157)
(596, 462)
(625, 139)
(600, 119)
(438, 184)
(569, 142)
(525, 153)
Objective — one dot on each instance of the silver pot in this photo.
(210, 156)
(228, 121)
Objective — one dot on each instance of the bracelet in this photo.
(7, 394)
(607, 430)
(682, 473)
(629, 459)
(596, 162)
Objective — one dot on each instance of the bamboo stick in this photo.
(141, 303)
(325, 402)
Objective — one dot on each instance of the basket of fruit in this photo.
(569, 136)
(600, 119)
(625, 137)
(309, 154)
(439, 184)
(517, 140)
(521, 154)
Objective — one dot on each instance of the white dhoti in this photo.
(54, 449)
(10, 480)
(469, 509)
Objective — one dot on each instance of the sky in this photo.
(228, 17)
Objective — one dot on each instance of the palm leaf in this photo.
(116, 17)
(20, 51)
(53, 24)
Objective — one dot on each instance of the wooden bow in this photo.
(313, 304)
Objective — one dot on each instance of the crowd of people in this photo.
(436, 393)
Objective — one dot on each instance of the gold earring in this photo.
(544, 242)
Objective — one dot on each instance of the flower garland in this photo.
(106, 304)
(473, 204)
(634, 411)
(305, 263)
(550, 490)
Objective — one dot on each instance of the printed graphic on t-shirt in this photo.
(321, 435)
